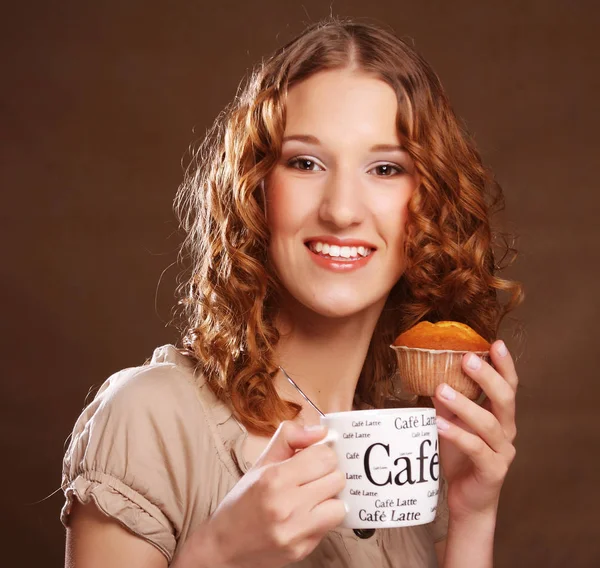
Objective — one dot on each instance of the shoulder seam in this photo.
(217, 441)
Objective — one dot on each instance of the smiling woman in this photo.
(353, 192)
(335, 203)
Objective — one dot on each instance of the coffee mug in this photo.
(390, 459)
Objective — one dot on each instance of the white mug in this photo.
(390, 459)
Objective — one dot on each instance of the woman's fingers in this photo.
(484, 458)
(504, 363)
(443, 411)
(304, 530)
(482, 423)
(289, 438)
(312, 494)
(309, 464)
(499, 391)
(325, 516)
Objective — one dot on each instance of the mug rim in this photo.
(377, 412)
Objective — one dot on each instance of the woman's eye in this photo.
(387, 170)
(305, 164)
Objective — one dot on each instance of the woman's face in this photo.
(337, 199)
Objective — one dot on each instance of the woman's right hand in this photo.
(282, 508)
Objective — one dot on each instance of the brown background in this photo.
(99, 102)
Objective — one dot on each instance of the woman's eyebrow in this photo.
(387, 148)
(310, 139)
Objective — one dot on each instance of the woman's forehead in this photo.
(338, 104)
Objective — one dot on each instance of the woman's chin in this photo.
(332, 303)
(339, 309)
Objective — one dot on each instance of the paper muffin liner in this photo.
(420, 371)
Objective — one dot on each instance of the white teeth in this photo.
(336, 251)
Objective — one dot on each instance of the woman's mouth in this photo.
(339, 253)
(340, 258)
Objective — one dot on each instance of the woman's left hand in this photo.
(477, 449)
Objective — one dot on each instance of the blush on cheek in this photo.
(279, 203)
(290, 208)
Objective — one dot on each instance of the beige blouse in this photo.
(157, 451)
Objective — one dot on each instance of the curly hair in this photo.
(229, 300)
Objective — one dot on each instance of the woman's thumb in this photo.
(289, 438)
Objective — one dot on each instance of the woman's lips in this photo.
(339, 263)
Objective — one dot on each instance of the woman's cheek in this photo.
(288, 201)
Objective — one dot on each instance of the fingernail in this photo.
(501, 349)
(441, 423)
(314, 428)
(473, 362)
(346, 507)
(448, 392)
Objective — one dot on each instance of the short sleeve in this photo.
(132, 453)
(439, 526)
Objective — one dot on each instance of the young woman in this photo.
(335, 203)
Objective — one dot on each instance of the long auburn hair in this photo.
(229, 299)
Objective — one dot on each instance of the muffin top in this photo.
(443, 335)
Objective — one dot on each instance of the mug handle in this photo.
(330, 438)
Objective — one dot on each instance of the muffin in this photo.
(431, 353)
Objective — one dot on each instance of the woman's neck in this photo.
(324, 356)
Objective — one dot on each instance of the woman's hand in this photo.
(281, 509)
(476, 442)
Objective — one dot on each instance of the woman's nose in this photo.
(341, 203)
